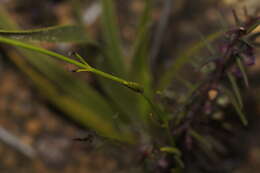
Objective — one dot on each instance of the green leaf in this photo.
(83, 64)
(65, 33)
(236, 106)
(66, 92)
(120, 96)
(130, 104)
(179, 161)
(172, 150)
(243, 71)
(207, 44)
(184, 58)
(5, 19)
(81, 109)
(176, 152)
(113, 48)
(140, 68)
(185, 83)
(253, 26)
(201, 139)
(235, 87)
(140, 52)
(181, 111)
(253, 39)
(40, 50)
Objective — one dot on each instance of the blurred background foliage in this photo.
(44, 105)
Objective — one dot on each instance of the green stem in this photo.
(40, 50)
(131, 85)
(155, 109)
(164, 123)
(84, 66)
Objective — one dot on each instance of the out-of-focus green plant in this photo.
(128, 111)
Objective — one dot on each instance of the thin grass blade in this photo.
(73, 106)
(140, 67)
(76, 98)
(201, 139)
(110, 29)
(65, 33)
(183, 59)
(235, 87)
(236, 106)
(243, 71)
(172, 150)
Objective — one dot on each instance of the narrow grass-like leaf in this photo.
(65, 33)
(131, 85)
(172, 150)
(84, 115)
(140, 67)
(179, 161)
(208, 44)
(176, 152)
(83, 96)
(5, 19)
(85, 67)
(254, 39)
(202, 140)
(82, 60)
(235, 87)
(254, 25)
(124, 100)
(76, 92)
(204, 144)
(185, 82)
(40, 50)
(183, 59)
(181, 111)
(236, 106)
(243, 71)
(110, 30)
(140, 52)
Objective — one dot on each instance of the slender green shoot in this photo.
(54, 34)
(243, 71)
(254, 26)
(83, 65)
(236, 105)
(131, 85)
(81, 59)
(172, 150)
(235, 87)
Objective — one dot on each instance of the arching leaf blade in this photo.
(110, 30)
(63, 33)
(184, 58)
